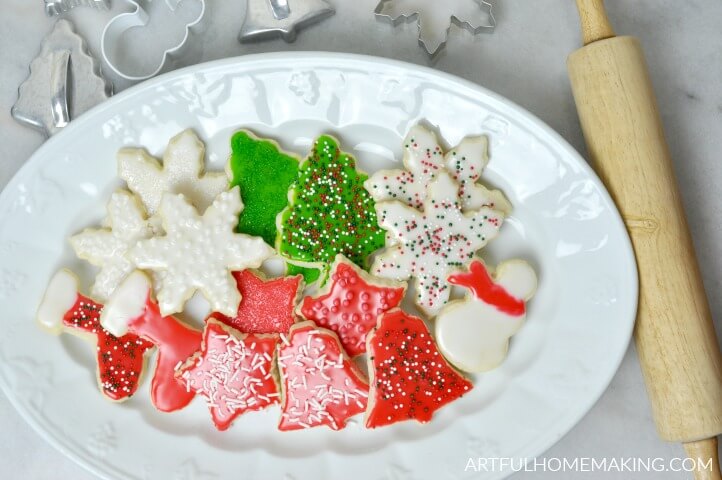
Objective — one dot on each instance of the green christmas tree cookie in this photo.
(265, 173)
(329, 212)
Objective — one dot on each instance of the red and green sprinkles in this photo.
(330, 212)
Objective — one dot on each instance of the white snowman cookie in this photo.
(473, 334)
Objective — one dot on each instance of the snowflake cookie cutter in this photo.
(435, 42)
(57, 7)
(140, 17)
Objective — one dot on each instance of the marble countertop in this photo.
(523, 60)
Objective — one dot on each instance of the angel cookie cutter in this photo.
(140, 16)
(433, 39)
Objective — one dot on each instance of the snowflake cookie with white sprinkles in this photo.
(424, 159)
(330, 212)
(410, 379)
(320, 385)
(233, 372)
(432, 244)
(121, 360)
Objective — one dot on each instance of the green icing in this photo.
(310, 275)
(330, 211)
(264, 173)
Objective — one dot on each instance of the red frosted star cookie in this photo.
(120, 359)
(132, 309)
(320, 385)
(233, 372)
(409, 377)
(351, 303)
(266, 306)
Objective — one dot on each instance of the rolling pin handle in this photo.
(594, 20)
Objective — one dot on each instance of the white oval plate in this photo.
(564, 222)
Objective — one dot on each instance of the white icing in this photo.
(127, 303)
(424, 159)
(60, 296)
(126, 224)
(199, 252)
(182, 171)
(431, 245)
(473, 335)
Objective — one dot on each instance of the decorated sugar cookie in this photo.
(182, 171)
(473, 333)
(330, 212)
(132, 309)
(267, 306)
(410, 379)
(121, 360)
(264, 174)
(424, 159)
(126, 224)
(320, 384)
(351, 303)
(199, 253)
(233, 372)
(432, 244)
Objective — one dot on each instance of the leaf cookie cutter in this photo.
(432, 47)
(56, 7)
(139, 17)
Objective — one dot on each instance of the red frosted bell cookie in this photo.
(351, 303)
(319, 383)
(132, 309)
(121, 360)
(267, 306)
(233, 372)
(410, 379)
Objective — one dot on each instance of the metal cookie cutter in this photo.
(139, 17)
(64, 81)
(476, 16)
(281, 18)
(56, 7)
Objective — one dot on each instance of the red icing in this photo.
(176, 342)
(120, 359)
(410, 380)
(483, 287)
(351, 307)
(233, 372)
(321, 386)
(266, 307)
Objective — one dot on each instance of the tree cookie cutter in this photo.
(56, 7)
(139, 17)
(281, 18)
(434, 40)
(64, 81)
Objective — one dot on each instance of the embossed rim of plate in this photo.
(539, 444)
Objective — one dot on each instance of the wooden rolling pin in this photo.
(674, 334)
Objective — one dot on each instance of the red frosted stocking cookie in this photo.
(121, 360)
(320, 385)
(233, 372)
(266, 306)
(132, 309)
(410, 379)
(351, 303)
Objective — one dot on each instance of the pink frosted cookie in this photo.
(319, 383)
(351, 303)
(473, 333)
(121, 360)
(267, 306)
(410, 379)
(132, 309)
(233, 372)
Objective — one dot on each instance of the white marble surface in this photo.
(525, 61)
